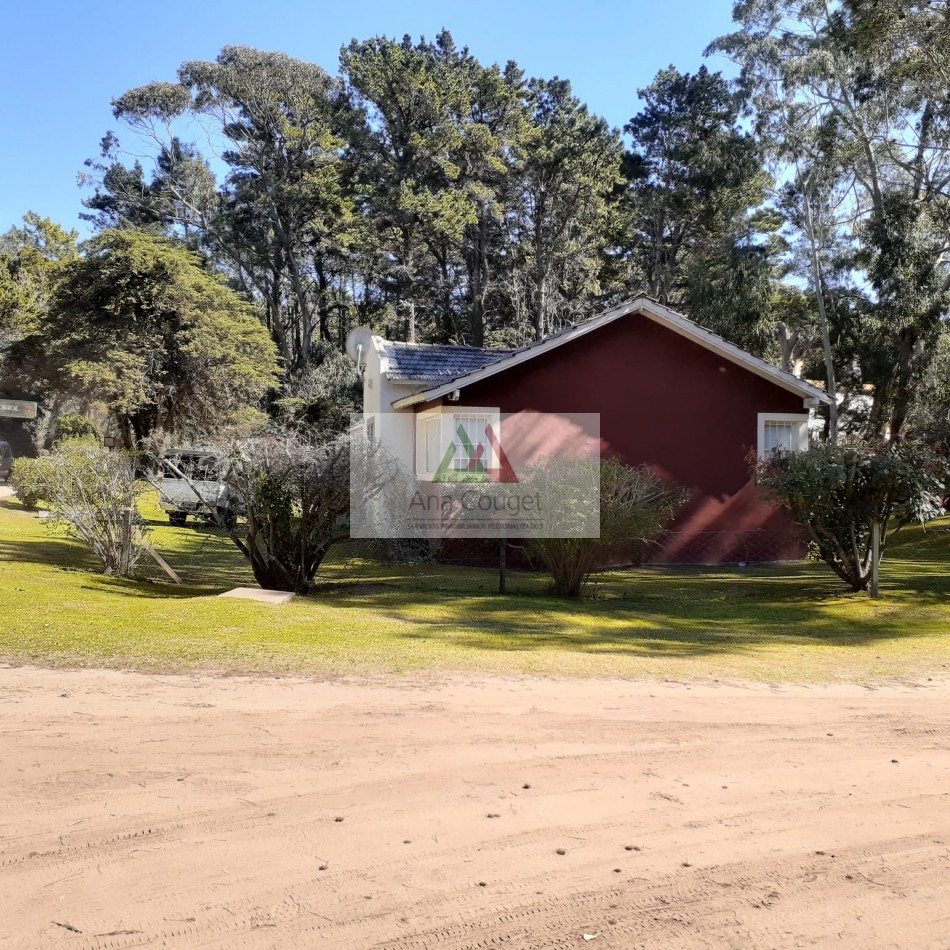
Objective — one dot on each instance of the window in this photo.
(780, 437)
(782, 432)
(470, 442)
(463, 432)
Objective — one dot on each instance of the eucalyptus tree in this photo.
(179, 196)
(811, 201)
(863, 76)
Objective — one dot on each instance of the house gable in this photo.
(641, 307)
(663, 400)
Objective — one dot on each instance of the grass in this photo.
(790, 623)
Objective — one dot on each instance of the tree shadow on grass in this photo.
(63, 553)
(148, 590)
(666, 614)
(660, 612)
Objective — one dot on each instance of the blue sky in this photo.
(62, 62)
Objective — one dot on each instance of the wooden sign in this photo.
(17, 409)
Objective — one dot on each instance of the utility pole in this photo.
(503, 566)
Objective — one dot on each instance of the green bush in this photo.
(73, 426)
(837, 493)
(635, 504)
(29, 478)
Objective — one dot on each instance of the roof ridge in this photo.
(456, 346)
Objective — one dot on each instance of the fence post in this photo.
(875, 558)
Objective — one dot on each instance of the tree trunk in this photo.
(305, 317)
(479, 281)
(323, 303)
(903, 385)
(823, 320)
(788, 341)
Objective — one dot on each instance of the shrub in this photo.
(94, 493)
(837, 493)
(73, 426)
(635, 504)
(295, 493)
(29, 479)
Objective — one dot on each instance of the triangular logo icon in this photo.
(475, 467)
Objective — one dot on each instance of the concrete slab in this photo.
(6, 491)
(273, 597)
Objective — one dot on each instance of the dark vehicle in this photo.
(6, 461)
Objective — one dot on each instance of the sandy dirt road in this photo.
(190, 811)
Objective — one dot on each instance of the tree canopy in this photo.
(29, 256)
(802, 210)
(139, 324)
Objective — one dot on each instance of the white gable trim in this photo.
(654, 311)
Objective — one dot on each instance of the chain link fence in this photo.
(672, 548)
(752, 546)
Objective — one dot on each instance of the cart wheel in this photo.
(228, 518)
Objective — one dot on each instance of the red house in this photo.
(670, 394)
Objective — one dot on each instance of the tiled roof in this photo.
(427, 362)
(436, 363)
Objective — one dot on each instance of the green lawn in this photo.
(774, 624)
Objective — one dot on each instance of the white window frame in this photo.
(795, 417)
(422, 418)
(446, 415)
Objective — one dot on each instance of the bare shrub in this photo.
(296, 496)
(94, 493)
